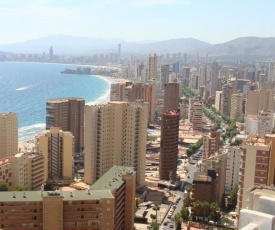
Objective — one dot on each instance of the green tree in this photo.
(184, 214)
(156, 208)
(234, 197)
(187, 199)
(222, 204)
(214, 214)
(178, 221)
(3, 187)
(155, 226)
(205, 207)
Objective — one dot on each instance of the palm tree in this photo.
(205, 206)
(156, 208)
(178, 220)
(197, 206)
(187, 199)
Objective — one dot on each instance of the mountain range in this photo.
(65, 44)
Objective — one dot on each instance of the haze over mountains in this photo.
(65, 44)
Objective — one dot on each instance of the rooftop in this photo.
(256, 140)
(112, 179)
(4, 161)
(37, 196)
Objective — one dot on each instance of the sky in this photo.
(213, 21)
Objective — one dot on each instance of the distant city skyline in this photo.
(212, 21)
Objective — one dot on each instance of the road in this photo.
(179, 206)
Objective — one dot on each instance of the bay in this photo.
(25, 88)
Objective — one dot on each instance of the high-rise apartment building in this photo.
(226, 99)
(130, 92)
(271, 73)
(68, 115)
(232, 167)
(202, 75)
(211, 144)
(218, 100)
(164, 74)
(119, 53)
(108, 205)
(36, 170)
(216, 162)
(265, 122)
(117, 92)
(258, 100)
(171, 96)
(214, 77)
(58, 148)
(195, 113)
(236, 110)
(149, 95)
(115, 134)
(255, 165)
(8, 134)
(271, 173)
(203, 189)
(20, 170)
(152, 67)
(169, 145)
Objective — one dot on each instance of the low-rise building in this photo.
(108, 204)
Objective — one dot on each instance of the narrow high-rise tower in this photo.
(51, 53)
(152, 67)
(214, 77)
(169, 145)
(119, 53)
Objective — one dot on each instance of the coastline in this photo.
(28, 145)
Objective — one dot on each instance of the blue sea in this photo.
(25, 88)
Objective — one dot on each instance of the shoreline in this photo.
(105, 97)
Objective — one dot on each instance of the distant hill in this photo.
(244, 46)
(65, 44)
(169, 46)
(62, 44)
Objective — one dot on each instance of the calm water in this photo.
(25, 88)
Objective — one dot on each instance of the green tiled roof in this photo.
(112, 179)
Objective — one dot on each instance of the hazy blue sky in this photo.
(214, 21)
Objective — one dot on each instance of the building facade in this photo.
(115, 134)
(107, 205)
(169, 145)
(68, 115)
(8, 134)
(236, 110)
(211, 144)
(254, 169)
(58, 148)
(171, 96)
(233, 164)
(258, 100)
(195, 114)
(226, 99)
